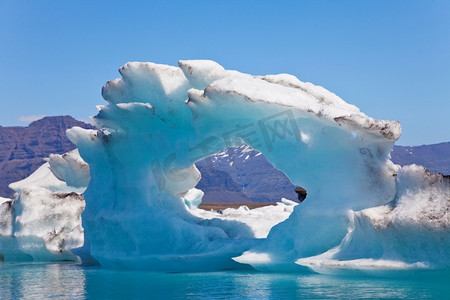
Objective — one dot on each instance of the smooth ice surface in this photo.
(362, 211)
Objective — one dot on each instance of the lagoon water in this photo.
(72, 281)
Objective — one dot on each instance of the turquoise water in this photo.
(71, 281)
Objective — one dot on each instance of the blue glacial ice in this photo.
(362, 211)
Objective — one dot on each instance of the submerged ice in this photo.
(362, 211)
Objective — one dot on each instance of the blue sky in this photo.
(389, 58)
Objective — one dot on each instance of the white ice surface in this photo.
(260, 220)
(63, 173)
(47, 224)
(412, 232)
(2, 200)
(43, 221)
(71, 169)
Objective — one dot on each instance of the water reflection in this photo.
(253, 285)
(40, 281)
(71, 281)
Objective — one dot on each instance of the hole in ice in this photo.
(240, 184)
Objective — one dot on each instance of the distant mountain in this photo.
(22, 149)
(436, 158)
(242, 174)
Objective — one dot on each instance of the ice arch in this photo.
(161, 119)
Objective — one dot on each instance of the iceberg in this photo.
(43, 221)
(138, 176)
(161, 119)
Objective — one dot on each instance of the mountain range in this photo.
(238, 174)
(436, 157)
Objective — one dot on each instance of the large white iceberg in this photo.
(362, 211)
(43, 221)
(161, 119)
